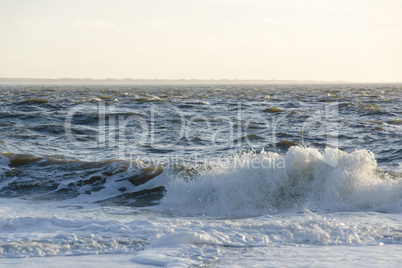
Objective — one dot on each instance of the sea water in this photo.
(201, 175)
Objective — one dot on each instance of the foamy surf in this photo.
(245, 184)
(332, 180)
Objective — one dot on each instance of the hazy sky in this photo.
(355, 40)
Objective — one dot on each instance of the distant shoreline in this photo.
(157, 81)
(129, 81)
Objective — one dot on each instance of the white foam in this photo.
(165, 256)
(35, 230)
(261, 183)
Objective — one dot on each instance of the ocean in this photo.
(201, 175)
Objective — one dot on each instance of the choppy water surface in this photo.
(203, 175)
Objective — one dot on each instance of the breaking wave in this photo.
(304, 178)
(245, 184)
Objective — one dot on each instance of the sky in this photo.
(327, 40)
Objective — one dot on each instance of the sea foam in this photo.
(304, 178)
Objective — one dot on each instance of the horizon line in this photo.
(89, 80)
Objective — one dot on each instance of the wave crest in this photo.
(307, 179)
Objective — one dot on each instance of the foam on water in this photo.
(259, 183)
(209, 240)
(37, 236)
(289, 186)
(53, 230)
